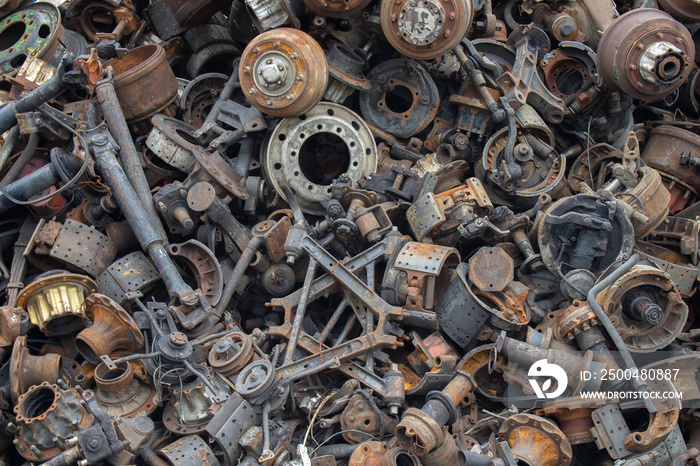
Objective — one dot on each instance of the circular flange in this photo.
(535, 440)
(255, 379)
(306, 153)
(283, 72)
(425, 29)
(538, 176)
(403, 98)
(646, 54)
(584, 231)
(199, 96)
(56, 301)
(171, 140)
(34, 30)
(231, 353)
(650, 283)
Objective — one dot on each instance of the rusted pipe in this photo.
(127, 151)
(22, 160)
(241, 266)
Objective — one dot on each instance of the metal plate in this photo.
(229, 424)
(423, 258)
(683, 276)
(133, 272)
(83, 247)
(424, 216)
(163, 20)
(611, 430)
(188, 451)
(460, 316)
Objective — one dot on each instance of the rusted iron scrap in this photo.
(360, 232)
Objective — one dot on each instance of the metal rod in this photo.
(127, 152)
(132, 208)
(22, 160)
(334, 319)
(241, 266)
(301, 310)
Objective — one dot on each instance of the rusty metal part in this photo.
(573, 320)
(491, 269)
(112, 329)
(202, 265)
(570, 71)
(522, 84)
(44, 413)
(418, 274)
(573, 418)
(442, 214)
(35, 31)
(11, 323)
(213, 50)
(678, 233)
(231, 353)
(189, 13)
(445, 453)
(129, 274)
(56, 301)
(526, 355)
(402, 100)
(213, 168)
(368, 453)
(283, 72)
(425, 29)
(519, 179)
(336, 9)
(466, 313)
(192, 402)
(83, 249)
(645, 54)
(269, 14)
(27, 370)
(378, 453)
(345, 69)
(684, 10)
(171, 201)
(421, 430)
(228, 425)
(171, 141)
(306, 154)
(120, 393)
(535, 440)
(660, 423)
(663, 152)
(431, 353)
(199, 96)
(187, 451)
(362, 420)
(602, 230)
(682, 272)
(645, 308)
(638, 189)
(144, 82)
(376, 338)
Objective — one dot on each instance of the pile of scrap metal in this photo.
(352, 232)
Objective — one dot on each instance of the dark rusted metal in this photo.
(112, 329)
(144, 82)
